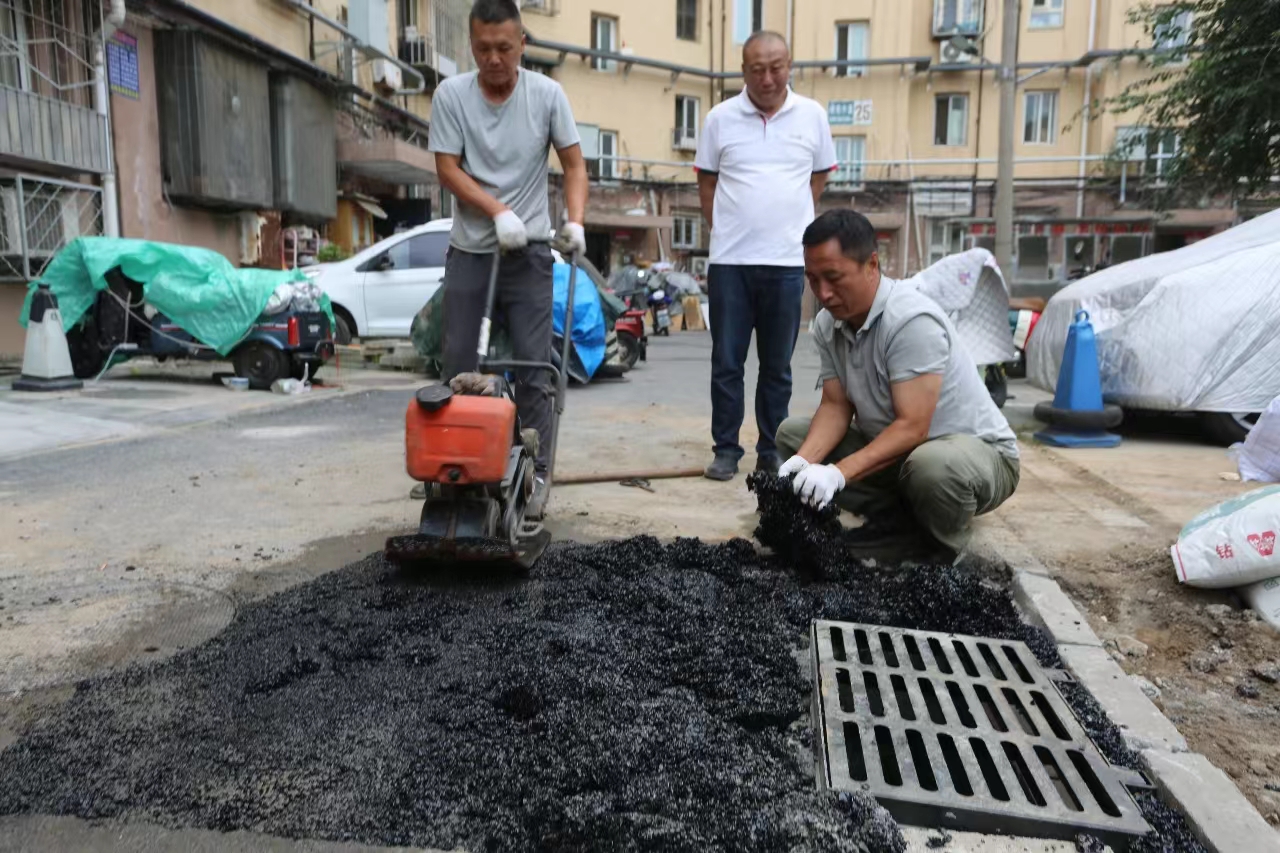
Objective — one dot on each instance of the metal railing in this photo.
(46, 48)
(38, 217)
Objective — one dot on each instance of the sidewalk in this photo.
(143, 397)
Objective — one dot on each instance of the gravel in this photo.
(627, 696)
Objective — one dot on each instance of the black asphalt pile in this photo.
(801, 536)
(629, 696)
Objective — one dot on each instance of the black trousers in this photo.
(522, 307)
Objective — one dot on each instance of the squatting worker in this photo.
(906, 430)
(763, 160)
(490, 132)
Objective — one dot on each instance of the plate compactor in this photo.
(464, 442)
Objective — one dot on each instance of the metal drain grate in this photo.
(961, 732)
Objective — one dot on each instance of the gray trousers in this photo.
(943, 483)
(522, 307)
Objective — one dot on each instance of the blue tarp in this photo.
(589, 328)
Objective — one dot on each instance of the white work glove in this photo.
(511, 231)
(817, 484)
(574, 238)
(794, 465)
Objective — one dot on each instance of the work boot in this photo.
(768, 462)
(897, 537)
(538, 500)
(418, 492)
(723, 467)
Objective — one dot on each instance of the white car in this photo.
(377, 292)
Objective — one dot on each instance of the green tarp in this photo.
(200, 290)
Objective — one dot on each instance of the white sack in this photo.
(1190, 330)
(1231, 544)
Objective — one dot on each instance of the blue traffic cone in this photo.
(1078, 417)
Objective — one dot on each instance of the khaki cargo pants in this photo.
(943, 483)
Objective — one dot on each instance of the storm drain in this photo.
(963, 733)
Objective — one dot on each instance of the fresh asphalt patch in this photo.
(632, 695)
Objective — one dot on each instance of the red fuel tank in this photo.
(465, 441)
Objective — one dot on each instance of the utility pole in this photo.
(1008, 127)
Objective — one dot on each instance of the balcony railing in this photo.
(48, 131)
(684, 139)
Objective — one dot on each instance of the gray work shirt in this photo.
(503, 147)
(907, 335)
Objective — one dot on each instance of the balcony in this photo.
(684, 139)
(51, 132)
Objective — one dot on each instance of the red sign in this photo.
(1059, 230)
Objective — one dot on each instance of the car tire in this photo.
(1087, 420)
(1227, 428)
(87, 357)
(260, 363)
(628, 349)
(342, 331)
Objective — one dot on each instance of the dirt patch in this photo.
(1211, 663)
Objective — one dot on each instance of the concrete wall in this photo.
(144, 211)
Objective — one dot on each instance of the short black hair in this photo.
(494, 11)
(853, 230)
(764, 35)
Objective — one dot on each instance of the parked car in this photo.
(290, 342)
(377, 292)
(1187, 331)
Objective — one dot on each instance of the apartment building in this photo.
(264, 128)
(257, 128)
(911, 94)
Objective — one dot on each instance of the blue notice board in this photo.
(122, 65)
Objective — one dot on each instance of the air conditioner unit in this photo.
(698, 266)
(59, 221)
(959, 51)
(387, 73)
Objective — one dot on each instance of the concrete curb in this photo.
(1221, 817)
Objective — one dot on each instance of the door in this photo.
(401, 280)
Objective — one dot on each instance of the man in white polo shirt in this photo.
(763, 160)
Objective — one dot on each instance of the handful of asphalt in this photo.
(627, 696)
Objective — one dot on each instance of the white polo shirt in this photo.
(763, 202)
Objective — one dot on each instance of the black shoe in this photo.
(724, 467)
(769, 463)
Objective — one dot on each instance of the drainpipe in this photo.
(790, 20)
(102, 105)
(1088, 107)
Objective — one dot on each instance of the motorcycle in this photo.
(660, 305)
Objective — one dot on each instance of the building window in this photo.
(951, 120)
(851, 43)
(1172, 32)
(748, 18)
(945, 238)
(606, 165)
(957, 17)
(1032, 261)
(685, 136)
(684, 232)
(14, 72)
(1162, 146)
(1046, 14)
(1040, 118)
(851, 152)
(604, 37)
(687, 20)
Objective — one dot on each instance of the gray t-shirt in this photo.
(907, 335)
(503, 147)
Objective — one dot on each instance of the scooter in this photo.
(633, 343)
(660, 304)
